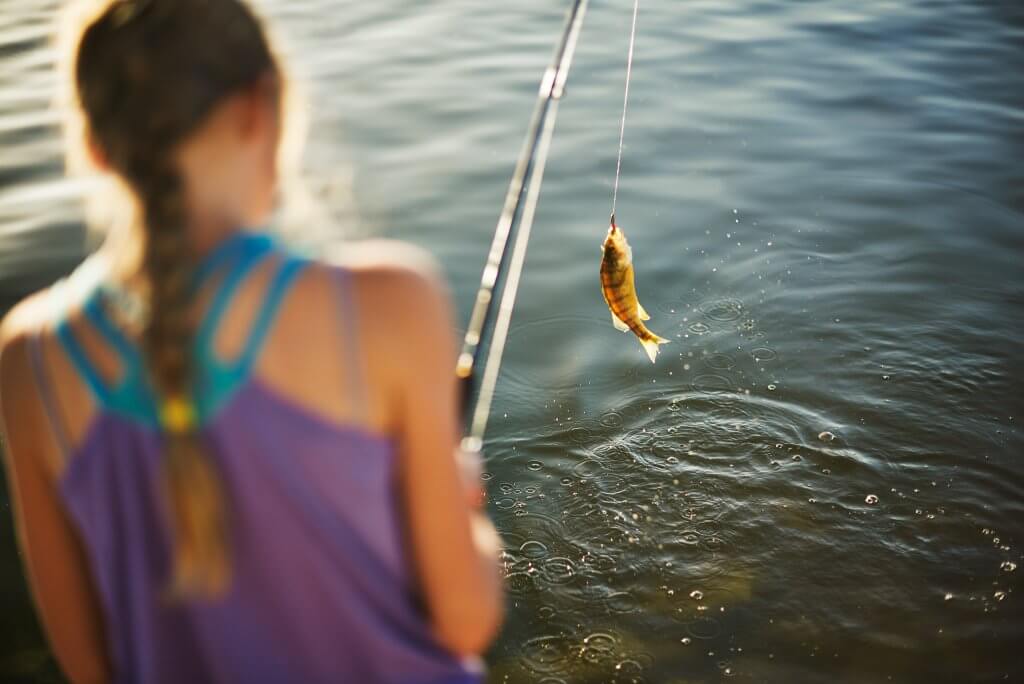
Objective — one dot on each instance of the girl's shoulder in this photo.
(25, 318)
(30, 320)
(16, 330)
(392, 284)
(389, 263)
(37, 316)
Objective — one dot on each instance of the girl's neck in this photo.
(122, 251)
(206, 235)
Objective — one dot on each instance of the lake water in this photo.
(821, 479)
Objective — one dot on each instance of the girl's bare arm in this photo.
(454, 546)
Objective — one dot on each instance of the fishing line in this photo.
(529, 166)
(625, 104)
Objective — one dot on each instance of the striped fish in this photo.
(619, 290)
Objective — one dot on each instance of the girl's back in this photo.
(322, 588)
(298, 367)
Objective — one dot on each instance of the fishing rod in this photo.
(518, 211)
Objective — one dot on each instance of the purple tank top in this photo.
(322, 589)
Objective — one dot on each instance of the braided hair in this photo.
(147, 73)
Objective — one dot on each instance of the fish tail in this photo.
(650, 346)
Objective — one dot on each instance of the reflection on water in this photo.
(819, 480)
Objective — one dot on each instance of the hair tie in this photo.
(177, 415)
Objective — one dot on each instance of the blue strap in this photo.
(95, 314)
(276, 292)
(81, 362)
(132, 395)
(246, 261)
(240, 243)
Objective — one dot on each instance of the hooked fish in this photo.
(619, 290)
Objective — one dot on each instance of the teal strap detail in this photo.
(231, 248)
(220, 379)
(130, 396)
(253, 254)
(279, 287)
(81, 362)
(216, 380)
(95, 314)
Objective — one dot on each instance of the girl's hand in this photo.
(470, 469)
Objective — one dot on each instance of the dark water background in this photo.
(826, 205)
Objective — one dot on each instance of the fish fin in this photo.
(651, 346)
(619, 325)
(644, 316)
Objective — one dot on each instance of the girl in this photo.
(231, 463)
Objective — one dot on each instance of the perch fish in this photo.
(619, 290)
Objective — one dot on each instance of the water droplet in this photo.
(720, 361)
(547, 653)
(723, 310)
(629, 667)
(597, 647)
(999, 595)
(612, 419)
(826, 436)
(621, 602)
(712, 383)
(885, 377)
(580, 434)
(1008, 566)
(697, 595)
(534, 549)
(689, 538)
(559, 570)
(685, 641)
(870, 499)
(535, 465)
(587, 468)
(771, 388)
